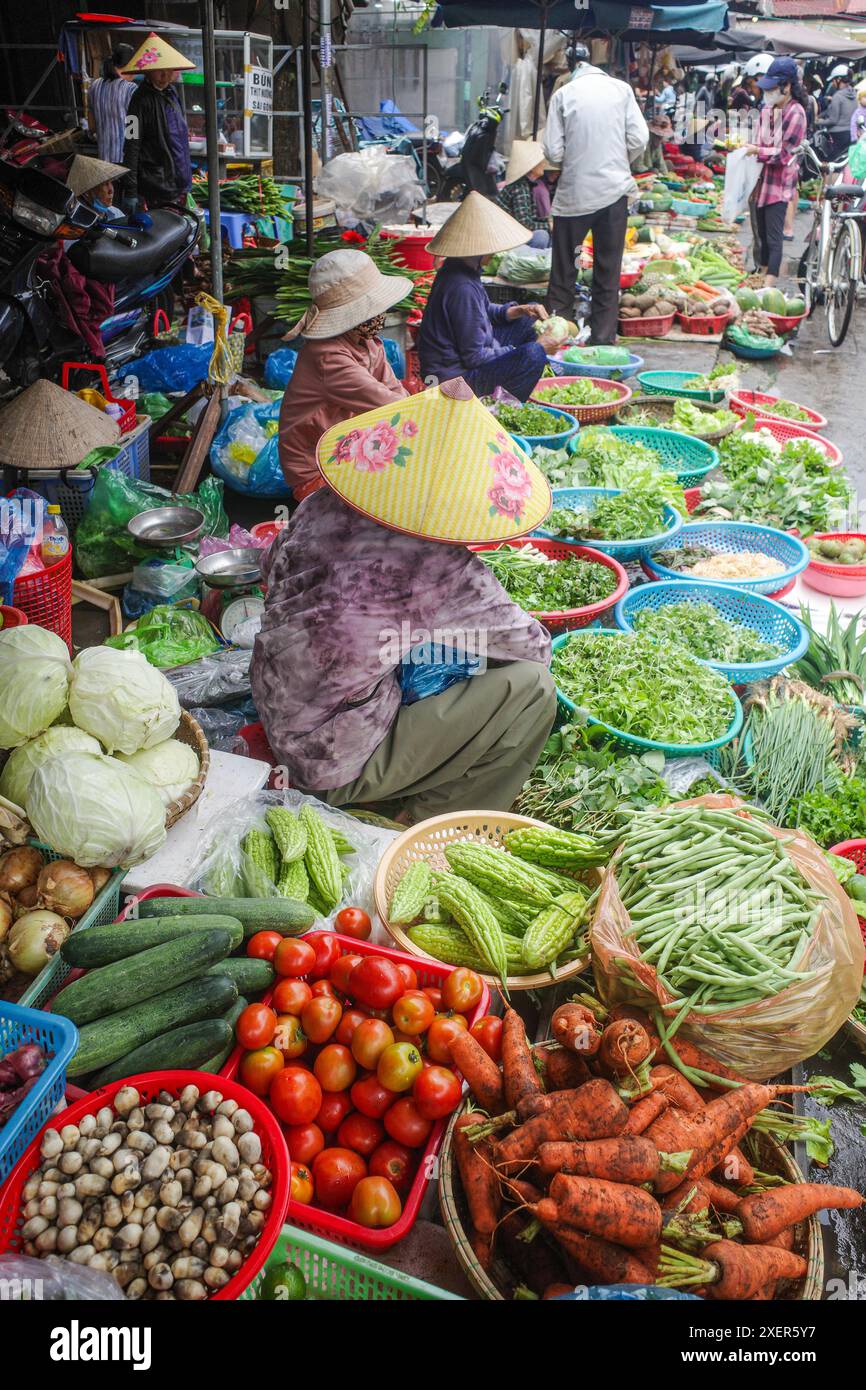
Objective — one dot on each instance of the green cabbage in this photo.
(23, 762)
(169, 767)
(34, 682)
(94, 810)
(122, 700)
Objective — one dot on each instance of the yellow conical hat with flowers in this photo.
(437, 465)
(156, 54)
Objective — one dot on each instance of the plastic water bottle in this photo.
(55, 537)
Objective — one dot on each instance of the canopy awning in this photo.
(605, 16)
(803, 39)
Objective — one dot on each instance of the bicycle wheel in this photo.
(807, 272)
(845, 260)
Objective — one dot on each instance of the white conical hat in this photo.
(525, 155)
(86, 173)
(478, 228)
(156, 55)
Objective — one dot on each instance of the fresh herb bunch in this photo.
(701, 628)
(713, 380)
(684, 558)
(560, 468)
(835, 661)
(585, 781)
(831, 817)
(792, 488)
(541, 585)
(255, 194)
(532, 420)
(607, 460)
(654, 690)
(627, 516)
(787, 410)
(690, 419)
(584, 391)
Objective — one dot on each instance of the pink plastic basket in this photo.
(786, 430)
(568, 619)
(841, 581)
(760, 404)
(618, 394)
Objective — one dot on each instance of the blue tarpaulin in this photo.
(609, 16)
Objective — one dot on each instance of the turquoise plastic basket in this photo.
(769, 619)
(691, 458)
(729, 537)
(59, 1037)
(671, 750)
(672, 384)
(618, 550)
(103, 909)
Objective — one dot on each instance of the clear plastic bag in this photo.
(371, 186)
(222, 726)
(764, 1038)
(245, 451)
(54, 1280)
(213, 679)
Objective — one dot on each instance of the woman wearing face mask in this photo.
(157, 153)
(341, 369)
(781, 130)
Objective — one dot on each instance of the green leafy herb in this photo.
(690, 419)
(833, 816)
(701, 628)
(539, 584)
(585, 781)
(584, 391)
(790, 488)
(530, 420)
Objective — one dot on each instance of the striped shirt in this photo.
(109, 102)
(779, 135)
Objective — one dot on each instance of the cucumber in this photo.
(118, 940)
(220, 1058)
(252, 977)
(180, 1049)
(285, 915)
(109, 1039)
(114, 987)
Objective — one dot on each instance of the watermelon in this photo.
(773, 301)
(746, 298)
(795, 307)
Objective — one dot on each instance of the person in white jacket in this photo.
(594, 129)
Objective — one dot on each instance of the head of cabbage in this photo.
(95, 810)
(34, 682)
(119, 698)
(23, 762)
(169, 767)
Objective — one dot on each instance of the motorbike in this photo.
(139, 258)
(470, 171)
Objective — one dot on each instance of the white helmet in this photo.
(757, 66)
(841, 70)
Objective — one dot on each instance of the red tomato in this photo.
(376, 982)
(323, 989)
(416, 1039)
(335, 1068)
(290, 1038)
(256, 1026)
(436, 1092)
(434, 995)
(320, 1018)
(258, 1069)
(293, 957)
(405, 1123)
(408, 976)
(488, 1032)
(301, 1183)
(290, 996)
(333, 1111)
(370, 1097)
(295, 1095)
(328, 950)
(440, 1035)
(361, 1133)
(375, 1203)
(394, 1162)
(263, 945)
(341, 970)
(305, 1141)
(336, 1174)
(398, 1066)
(462, 990)
(413, 1012)
(369, 1042)
(351, 1019)
(353, 921)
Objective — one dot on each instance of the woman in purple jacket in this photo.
(462, 333)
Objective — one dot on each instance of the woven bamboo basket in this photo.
(493, 1285)
(664, 410)
(427, 841)
(189, 731)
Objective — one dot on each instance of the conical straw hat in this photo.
(478, 228)
(525, 155)
(86, 173)
(156, 55)
(47, 427)
(436, 465)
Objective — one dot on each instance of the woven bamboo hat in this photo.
(47, 427)
(156, 55)
(478, 228)
(436, 465)
(525, 155)
(86, 173)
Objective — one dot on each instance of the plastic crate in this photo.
(728, 537)
(623, 551)
(566, 619)
(653, 327)
(45, 597)
(333, 1272)
(19, 1025)
(104, 908)
(698, 324)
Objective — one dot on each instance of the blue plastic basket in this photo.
(671, 750)
(769, 619)
(549, 441)
(672, 384)
(58, 1037)
(752, 354)
(622, 373)
(619, 550)
(684, 207)
(728, 537)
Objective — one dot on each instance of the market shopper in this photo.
(519, 193)
(462, 333)
(374, 566)
(108, 98)
(594, 129)
(341, 368)
(841, 107)
(858, 120)
(781, 131)
(157, 154)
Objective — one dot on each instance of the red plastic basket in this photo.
(760, 404)
(618, 394)
(646, 328)
(45, 597)
(267, 530)
(628, 278)
(785, 323)
(703, 323)
(429, 972)
(693, 497)
(568, 619)
(126, 420)
(855, 850)
(275, 1155)
(12, 617)
(786, 430)
(411, 249)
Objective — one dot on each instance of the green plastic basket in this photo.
(104, 908)
(671, 384)
(690, 458)
(336, 1273)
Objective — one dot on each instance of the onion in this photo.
(26, 900)
(6, 914)
(19, 868)
(99, 877)
(63, 887)
(34, 939)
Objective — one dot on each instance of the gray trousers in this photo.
(470, 748)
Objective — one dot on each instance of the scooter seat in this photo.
(107, 259)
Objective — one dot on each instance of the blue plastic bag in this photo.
(395, 356)
(171, 368)
(279, 366)
(243, 427)
(20, 525)
(428, 670)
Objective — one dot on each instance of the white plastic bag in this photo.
(371, 186)
(742, 171)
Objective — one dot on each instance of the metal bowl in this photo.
(166, 526)
(231, 569)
